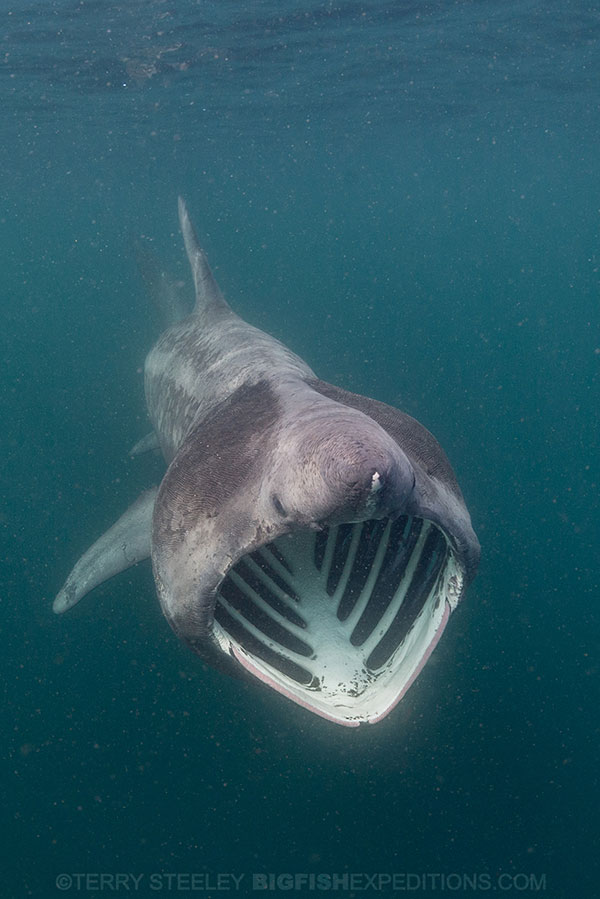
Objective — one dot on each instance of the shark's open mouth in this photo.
(341, 620)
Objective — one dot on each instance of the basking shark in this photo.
(312, 537)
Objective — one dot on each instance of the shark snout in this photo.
(371, 484)
(387, 489)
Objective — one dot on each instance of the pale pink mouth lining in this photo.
(256, 672)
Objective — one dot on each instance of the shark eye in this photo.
(277, 504)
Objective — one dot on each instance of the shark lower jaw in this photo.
(341, 621)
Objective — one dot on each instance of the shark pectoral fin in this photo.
(147, 443)
(123, 545)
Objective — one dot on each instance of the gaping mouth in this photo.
(341, 620)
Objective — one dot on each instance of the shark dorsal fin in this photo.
(208, 293)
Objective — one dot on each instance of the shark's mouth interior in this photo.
(341, 620)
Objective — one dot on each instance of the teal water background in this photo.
(408, 194)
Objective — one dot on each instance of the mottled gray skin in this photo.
(259, 447)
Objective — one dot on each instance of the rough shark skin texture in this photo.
(263, 457)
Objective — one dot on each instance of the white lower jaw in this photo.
(341, 682)
(374, 704)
